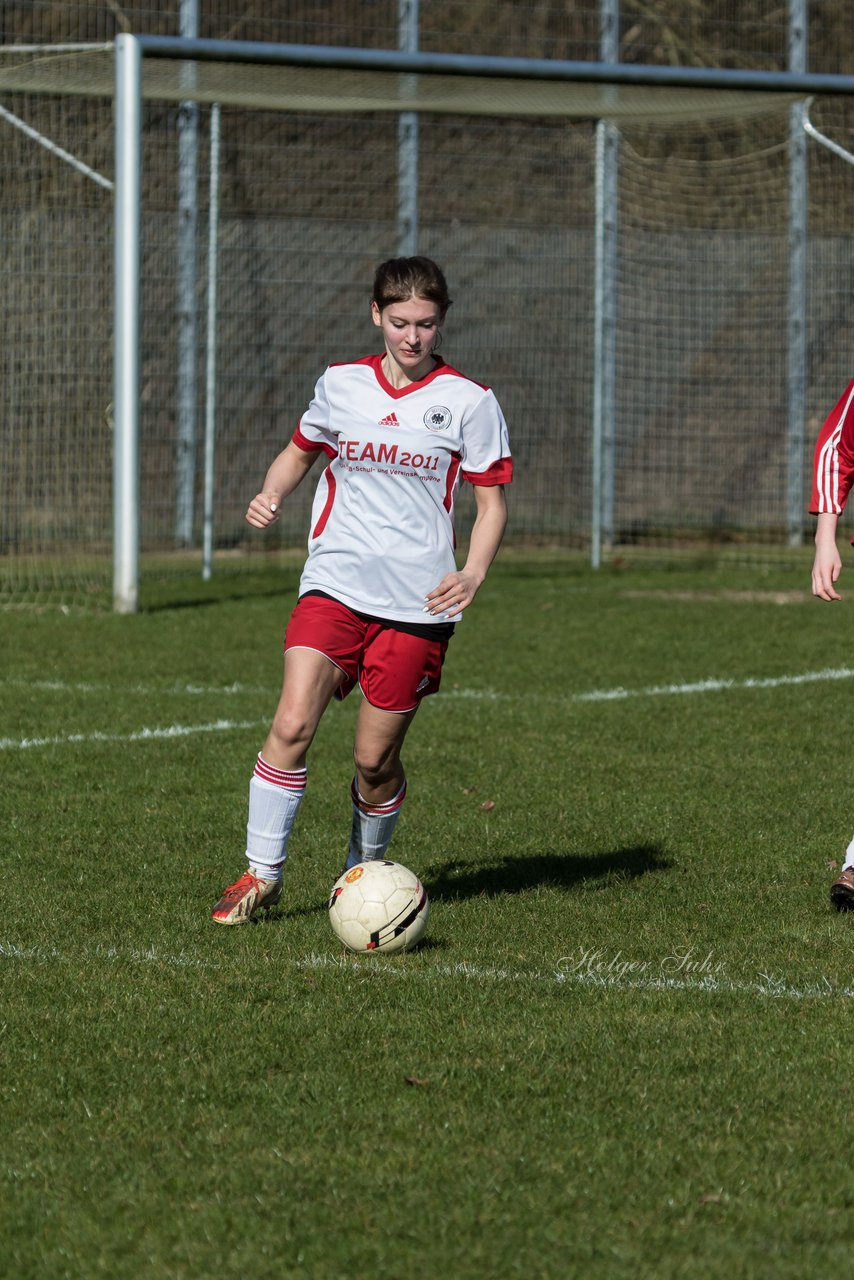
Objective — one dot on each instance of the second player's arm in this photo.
(827, 564)
(286, 472)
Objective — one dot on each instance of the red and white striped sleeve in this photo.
(833, 461)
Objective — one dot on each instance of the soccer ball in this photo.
(379, 906)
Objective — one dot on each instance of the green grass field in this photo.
(621, 1050)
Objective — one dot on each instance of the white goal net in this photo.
(307, 189)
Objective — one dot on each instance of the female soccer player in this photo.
(833, 474)
(380, 591)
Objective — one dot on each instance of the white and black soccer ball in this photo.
(379, 906)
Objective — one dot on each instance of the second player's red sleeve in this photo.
(833, 460)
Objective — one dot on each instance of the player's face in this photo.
(410, 330)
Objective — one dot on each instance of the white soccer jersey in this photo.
(382, 522)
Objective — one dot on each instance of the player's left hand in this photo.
(453, 594)
(826, 569)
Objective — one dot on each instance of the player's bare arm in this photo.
(827, 564)
(457, 590)
(286, 472)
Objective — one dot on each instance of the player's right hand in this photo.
(263, 510)
(826, 569)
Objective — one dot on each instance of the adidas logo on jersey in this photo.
(390, 421)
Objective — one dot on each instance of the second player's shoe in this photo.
(842, 891)
(242, 899)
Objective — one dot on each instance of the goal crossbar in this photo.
(321, 78)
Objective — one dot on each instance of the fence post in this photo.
(187, 237)
(605, 305)
(797, 325)
(128, 110)
(210, 349)
(407, 140)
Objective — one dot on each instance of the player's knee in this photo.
(292, 730)
(375, 768)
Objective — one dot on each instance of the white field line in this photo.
(138, 735)
(708, 685)
(765, 986)
(483, 695)
(718, 686)
(768, 986)
(141, 690)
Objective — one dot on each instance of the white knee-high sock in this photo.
(274, 799)
(373, 826)
(849, 857)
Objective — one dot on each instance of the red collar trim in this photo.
(397, 392)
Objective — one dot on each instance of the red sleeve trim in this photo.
(312, 446)
(501, 472)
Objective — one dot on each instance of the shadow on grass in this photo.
(454, 880)
(298, 913)
(449, 880)
(169, 600)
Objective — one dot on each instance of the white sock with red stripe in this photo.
(373, 826)
(274, 799)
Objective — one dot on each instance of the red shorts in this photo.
(394, 669)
